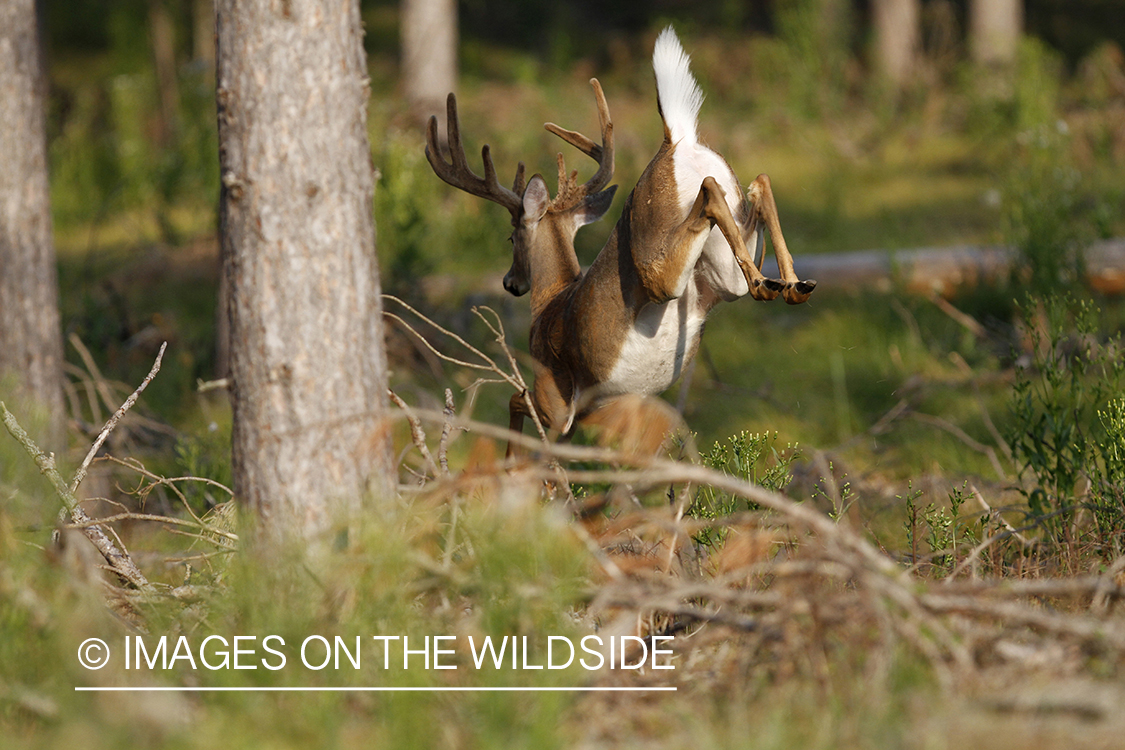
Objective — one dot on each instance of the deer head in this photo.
(543, 227)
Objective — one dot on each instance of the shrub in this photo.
(1064, 427)
(753, 457)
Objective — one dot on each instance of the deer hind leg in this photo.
(712, 202)
(763, 208)
(666, 275)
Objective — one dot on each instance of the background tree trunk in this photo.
(30, 335)
(308, 370)
(994, 31)
(429, 55)
(162, 34)
(897, 37)
(203, 31)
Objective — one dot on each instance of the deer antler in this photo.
(570, 194)
(456, 171)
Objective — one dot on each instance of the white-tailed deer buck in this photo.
(633, 320)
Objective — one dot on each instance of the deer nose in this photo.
(514, 287)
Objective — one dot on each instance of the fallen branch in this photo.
(119, 562)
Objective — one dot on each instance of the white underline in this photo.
(373, 689)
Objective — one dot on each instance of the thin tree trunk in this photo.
(429, 55)
(203, 31)
(162, 32)
(897, 36)
(308, 370)
(30, 335)
(994, 31)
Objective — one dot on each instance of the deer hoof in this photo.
(798, 292)
(765, 290)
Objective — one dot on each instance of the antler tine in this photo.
(603, 154)
(456, 171)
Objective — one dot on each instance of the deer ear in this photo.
(536, 198)
(594, 207)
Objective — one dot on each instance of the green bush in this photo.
(753, 457)
(1064, 428)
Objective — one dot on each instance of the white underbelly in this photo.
(657, 347)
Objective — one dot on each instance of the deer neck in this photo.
(553, 264)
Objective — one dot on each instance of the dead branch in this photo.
(965, 438)
(417, 434)
(968, 322)
(119, 562)
(117, 415)
(157, 518)
(446, 432)
(98, 382)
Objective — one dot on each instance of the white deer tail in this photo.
(678, 95)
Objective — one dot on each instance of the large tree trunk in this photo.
(308, 370)
(429, 55)
(30, 336)
(897, 34)
(994, 31)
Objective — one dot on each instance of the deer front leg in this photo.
(517, 410)
(553, 410)
(764, 208)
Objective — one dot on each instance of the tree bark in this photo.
(429, 55)
(30, 334)
(897, 36)
(994, 31)
(308, 370)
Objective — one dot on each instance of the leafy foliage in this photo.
(942, 530)
(751, 456)
(1107, 481)
(1064, 428)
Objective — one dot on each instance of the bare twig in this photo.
(117, 415)
(965, 320)
(156, 518)
(965, 438)
(417, 434)
(489, 363)
(203, 386)
(446, 432)
(967, 371)
(95, 374)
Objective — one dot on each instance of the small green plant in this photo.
(751, 456)
(940, 529)
(910, 525)
(1107, 481)
(841, 495)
